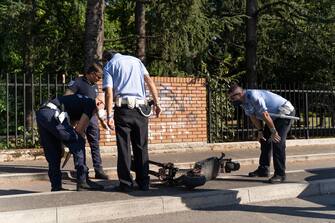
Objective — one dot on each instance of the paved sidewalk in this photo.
(27, 200)
(298, 152)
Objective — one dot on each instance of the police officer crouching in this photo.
(54, 121)
(278, 114)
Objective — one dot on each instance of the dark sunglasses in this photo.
(233, 95)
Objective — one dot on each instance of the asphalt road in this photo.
(318, 209)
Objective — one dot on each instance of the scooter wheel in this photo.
(191, 182)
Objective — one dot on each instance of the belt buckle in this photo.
(131, 102)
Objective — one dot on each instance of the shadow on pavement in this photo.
(324, 203)
(15, 192)
(5, 169)
(305, 212)
(320, 174)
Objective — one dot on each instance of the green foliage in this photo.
(50, 33)
(296, 41)
(180, 32)
(38, 39)
(203, 38)
(11, 32)
(120, 26)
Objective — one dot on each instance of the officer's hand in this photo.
(110, 123)
(62, 151)
(80, 132)
(275, 137)
(260, 137)
(104, 124)
(158, 110)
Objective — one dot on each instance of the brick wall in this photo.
(183, 118)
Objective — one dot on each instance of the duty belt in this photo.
(59, 113)
(130, 102)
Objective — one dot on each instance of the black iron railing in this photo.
(315, 106)
(19, 98)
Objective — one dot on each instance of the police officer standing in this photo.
(86, 85)
(53, 121)
(277, 113)
(124, 84)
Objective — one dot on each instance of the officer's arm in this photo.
(256, 122)
(109, 106)
(268, 120)
(109, 101)
(82, 124)
(153, 90)
(68, 92)
(259, 126)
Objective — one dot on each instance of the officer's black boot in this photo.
(261, 171)
(100, 174)
(58, 189)
(89, 185)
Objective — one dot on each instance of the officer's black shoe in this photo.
(58, 189)
(143, 187)
(100, 174)
(89, 185)
(260, 172)
(277, 179)
(124, 188)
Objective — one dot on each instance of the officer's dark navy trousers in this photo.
(131, 128)
(93, 135)
(52, 135)
(278, 149)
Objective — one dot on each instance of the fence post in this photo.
(306, 116)
(209, 111)
(7, 109)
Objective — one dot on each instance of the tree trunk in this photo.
(140, 29)
(251, 43)
(94, 31)
(28, 68)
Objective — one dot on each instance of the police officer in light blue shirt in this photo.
(276, 112)
(124, 81)
(125, 75)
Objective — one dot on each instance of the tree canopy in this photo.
(295, 38)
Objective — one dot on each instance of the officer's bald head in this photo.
(107, 55)
(235, 92)
(235, 88)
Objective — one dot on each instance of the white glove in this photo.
(102, 114)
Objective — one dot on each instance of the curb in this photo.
(104, 211)
(35, 154)
(111, 171)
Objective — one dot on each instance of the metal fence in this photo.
(315, 106)
(19, 98)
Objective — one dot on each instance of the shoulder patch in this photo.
(71, 83)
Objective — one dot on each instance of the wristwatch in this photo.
(273, 130)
